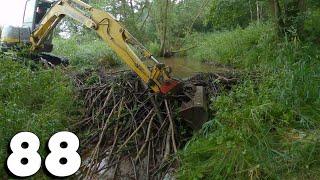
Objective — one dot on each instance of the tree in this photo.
(160, 17)
(288, 16)
(226, 14)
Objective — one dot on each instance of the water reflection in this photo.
(183, 67)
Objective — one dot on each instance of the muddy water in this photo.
(183, 67)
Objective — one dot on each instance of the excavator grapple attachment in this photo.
(195, 111)
(169, 86)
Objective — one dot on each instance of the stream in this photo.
(183, 67)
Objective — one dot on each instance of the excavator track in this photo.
(52, 60)
(46, 59)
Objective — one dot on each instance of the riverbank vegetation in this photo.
(40, 101)
(268, 126)
(85, 52)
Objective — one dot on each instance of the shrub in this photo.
(267, 127)
(154, 48)
(38, 101)
(84, 52)
(230, 47)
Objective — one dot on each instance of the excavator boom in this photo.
(113, 33)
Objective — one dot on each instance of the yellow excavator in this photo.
(42, 16)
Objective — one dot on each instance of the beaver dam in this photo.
(130, 133)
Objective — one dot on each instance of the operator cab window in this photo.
(34, 12)
(41, 11)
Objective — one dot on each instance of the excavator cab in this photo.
(34, 11)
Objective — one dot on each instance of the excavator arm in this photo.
(113, 33)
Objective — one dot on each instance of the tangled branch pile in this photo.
(129, 132)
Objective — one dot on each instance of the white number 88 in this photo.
(62, 161)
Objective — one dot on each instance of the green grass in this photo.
(232, 47)
(85, 52)
(39, 101)
(267, 126)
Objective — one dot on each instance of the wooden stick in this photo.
(147, 139)
(171, 127)
(135, 132)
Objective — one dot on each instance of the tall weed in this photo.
(39, 101)
(268, 126)
(85, 52)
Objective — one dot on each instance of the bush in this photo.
(85, 52)
(154, 48)
(230, 47)
(268, 126)
(39, 101)
(312, 26)
(226, 14)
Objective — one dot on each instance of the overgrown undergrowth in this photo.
(267, 127)
(39, 101)
(85, 52)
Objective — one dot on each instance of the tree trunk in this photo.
(302, 10)
(258, 11)
(277, 15)
(163, 38)
(289, 21)
(124, 14)
(251, 12)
